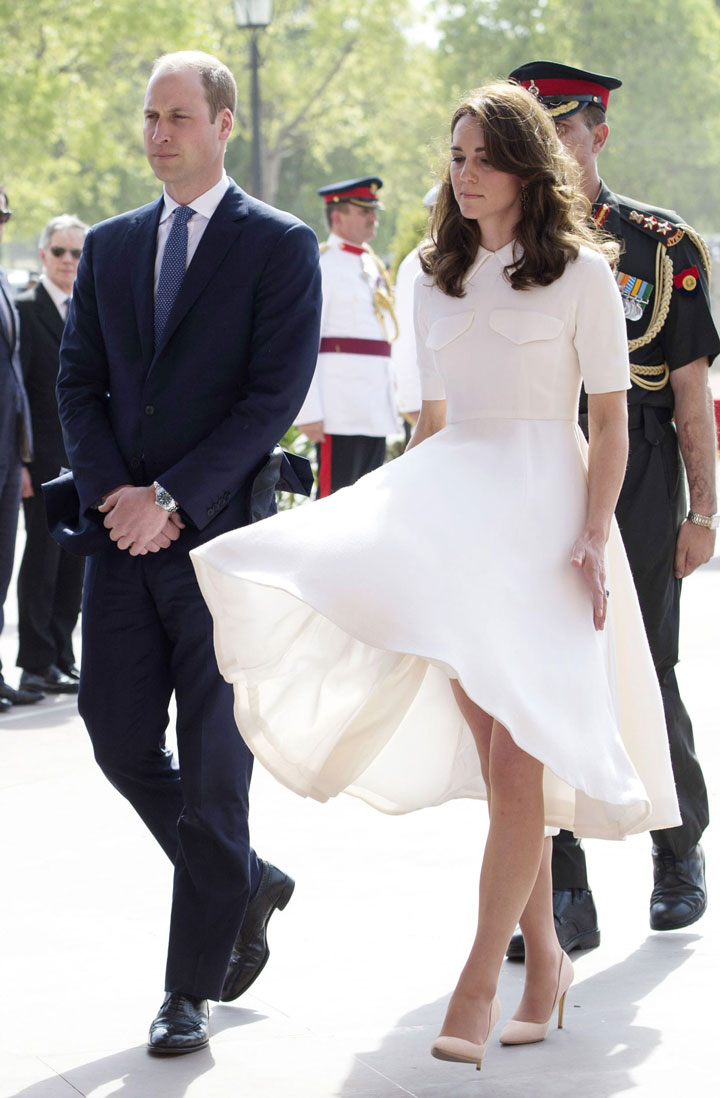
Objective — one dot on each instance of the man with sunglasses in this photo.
(15, 447)
(50, 579)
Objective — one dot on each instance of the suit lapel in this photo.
(10, 336)
(48, 314)
(221, 232)
(140, 247)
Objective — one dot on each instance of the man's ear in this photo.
(600, 136)
(226, 123)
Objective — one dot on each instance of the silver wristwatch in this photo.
(710, 522)
(164, 499)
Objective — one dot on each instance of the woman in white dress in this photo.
(442, 629)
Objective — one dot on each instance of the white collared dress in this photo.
(341, 623)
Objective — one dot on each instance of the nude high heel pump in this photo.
(516, 1032)
(465, 1052)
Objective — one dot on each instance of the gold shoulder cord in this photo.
(384, 300)
(322, 248)
(655, 377)
(701, 246)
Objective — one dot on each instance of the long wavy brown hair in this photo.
(519, 138)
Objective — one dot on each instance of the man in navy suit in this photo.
(50, 578)
(15, 447)
(191, 342)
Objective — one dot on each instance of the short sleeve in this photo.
(432, 386)
(600, 334)
(689, 332)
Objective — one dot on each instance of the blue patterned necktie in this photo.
(172, 269)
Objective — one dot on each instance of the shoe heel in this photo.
(561, 1010)
(284, 898)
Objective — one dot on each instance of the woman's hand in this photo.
(588, 554)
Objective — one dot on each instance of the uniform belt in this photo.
(348, 346)
(636, 415)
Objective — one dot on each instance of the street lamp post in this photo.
(254, 15)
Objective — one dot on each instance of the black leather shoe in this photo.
(50, 679)
(5, 704)
(679, 897)
(181, 1025)
(575, 923)
(71, 670)
(18, 697)
(250, 952)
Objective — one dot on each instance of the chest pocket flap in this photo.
(447, 328)
(524, 326)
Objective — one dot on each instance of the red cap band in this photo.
(355, 192)
(548, 86)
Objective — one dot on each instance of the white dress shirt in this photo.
(59, 298)
(204, 206)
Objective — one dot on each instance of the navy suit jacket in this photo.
(15, 428)
(201, 412)
(42, 329)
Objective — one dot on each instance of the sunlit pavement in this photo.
(363, 958)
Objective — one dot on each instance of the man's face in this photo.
(184, 148)
(58, 260)
(582, 143)
(356, 224)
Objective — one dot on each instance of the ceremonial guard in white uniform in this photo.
(404, 349)
(351, 408)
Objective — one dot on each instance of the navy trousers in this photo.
(49, 593)
(9, 509)
(146, 634)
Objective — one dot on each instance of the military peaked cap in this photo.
(565, 90)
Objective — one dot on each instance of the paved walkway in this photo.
(363, 959)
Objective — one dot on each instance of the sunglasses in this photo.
(5, 216)
(60, 252)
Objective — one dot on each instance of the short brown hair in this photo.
(218, 81)
(592, 116)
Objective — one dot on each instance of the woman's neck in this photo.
(497, 232)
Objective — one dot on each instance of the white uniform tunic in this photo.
(404, 349)
(353, 394)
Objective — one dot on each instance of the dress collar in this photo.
(345, 245)
(507, 256)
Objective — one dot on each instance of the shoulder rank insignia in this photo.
(653, 224)
(687, 281)
(675, 238)
(635, 293)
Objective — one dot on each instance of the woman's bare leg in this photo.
(542, 949)
(511, 862)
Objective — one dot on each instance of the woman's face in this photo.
(483, 193)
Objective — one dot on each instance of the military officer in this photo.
(351, 408)
(663, 278)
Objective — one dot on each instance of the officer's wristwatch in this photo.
(164, 499)
(710, 522)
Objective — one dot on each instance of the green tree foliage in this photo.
(663, 146)
(344, 93)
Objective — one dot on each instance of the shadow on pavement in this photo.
(140, 1074)
(594, 1055)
